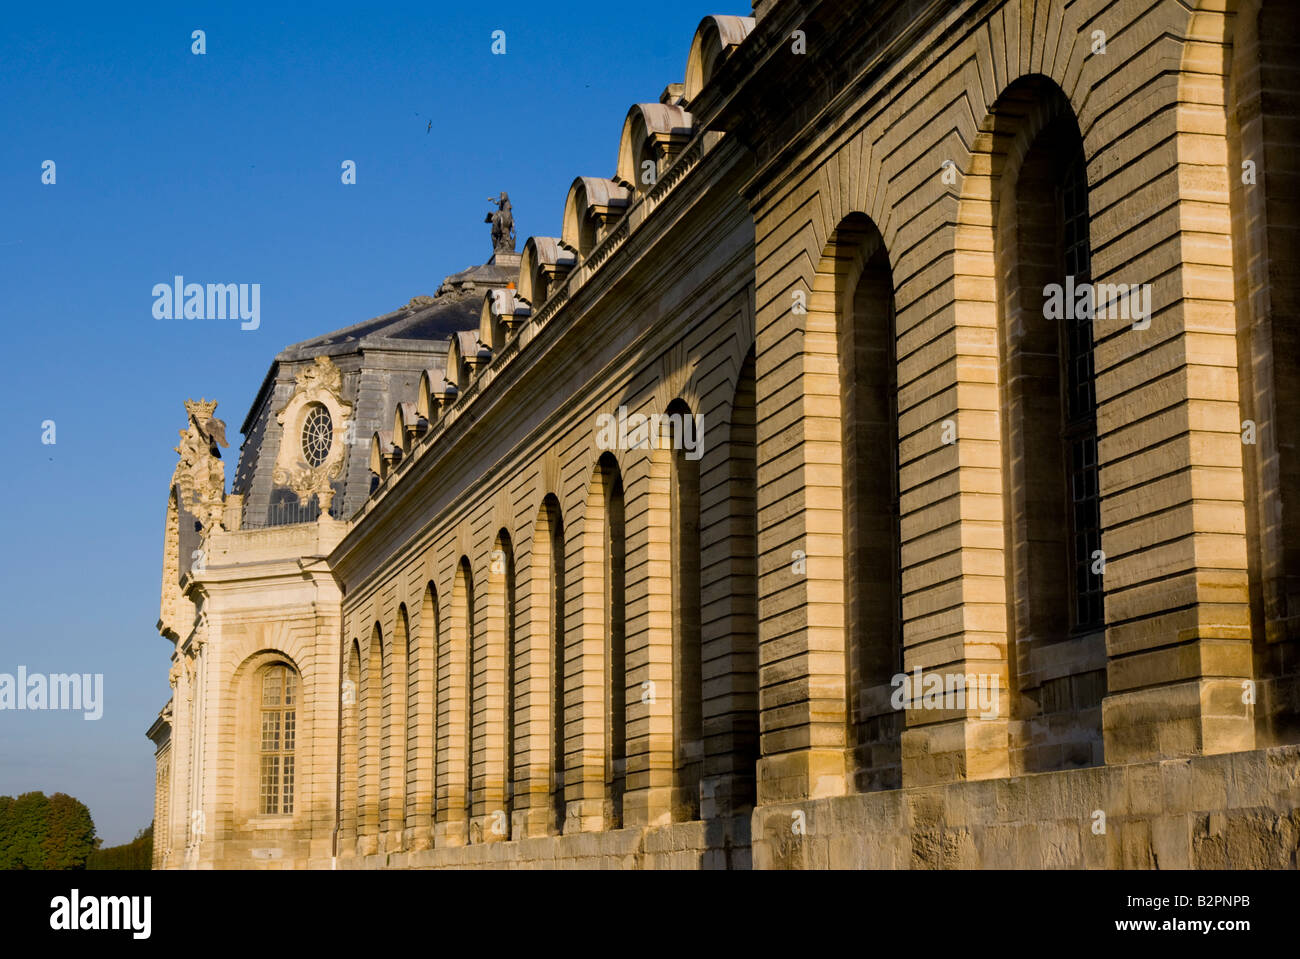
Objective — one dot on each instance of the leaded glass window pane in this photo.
(279, 732)
(1080, 427)
(317, 435)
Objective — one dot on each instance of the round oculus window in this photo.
(317, 435)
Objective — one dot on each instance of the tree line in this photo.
(57, 832)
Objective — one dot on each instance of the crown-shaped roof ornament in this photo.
(201, 410)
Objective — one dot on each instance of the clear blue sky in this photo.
(226, 168)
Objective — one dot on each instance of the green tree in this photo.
(72, 834)
(6, 832)
(45, 832)
(29, 824)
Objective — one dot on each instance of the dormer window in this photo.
(317, 435)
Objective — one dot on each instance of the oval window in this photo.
(317, 435)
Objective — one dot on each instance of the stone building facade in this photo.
(891, 465)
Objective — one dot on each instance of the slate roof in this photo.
(424, 324)
(424, 321)
(428, 323)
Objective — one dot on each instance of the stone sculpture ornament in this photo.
(503, 225)
(198, 487)
(200, 476)
(321, 375)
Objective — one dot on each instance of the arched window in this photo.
(606, 508)
(394, 734)
(1261, 138)
(737, 736)
(351, 736)
(1043, 246)
(370, 771)
(511, 690)
(548, 553)
(616, 605)
(317, 435)
(422, 720)
(411, 721)
(855, 276)
(1049, 422)
(279, 715)
(1079, 420)
(498, 689)
(462, 600)
(688, 734)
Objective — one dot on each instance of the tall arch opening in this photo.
(463, 614)
(422, 721)
(348, 779)
(605, 574)
(1042, 255)
(456, 801)
(688, 731)
(1262, 140)
(854, 279)
(729, 605)
(394, 745)
(738, 727)
(370, 762)
(499, 687)
(548, 576)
